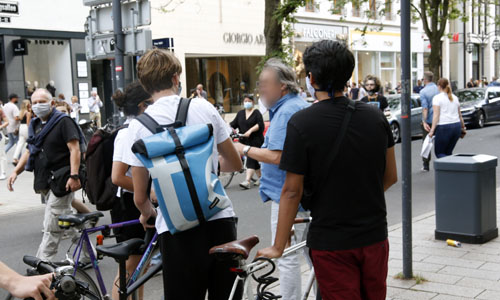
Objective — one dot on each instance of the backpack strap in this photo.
(148, 122)
(182, 111)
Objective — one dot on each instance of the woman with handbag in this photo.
(447, 123)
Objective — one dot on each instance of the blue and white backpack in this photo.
(179, 160)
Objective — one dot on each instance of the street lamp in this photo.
(496, 45)
(470, 47)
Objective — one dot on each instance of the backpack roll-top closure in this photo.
(163, 143)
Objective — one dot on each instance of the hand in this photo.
(270, 252)
(431, 133)
(144, 219)
(11, 180)
(73, 185)
(239, 147)
(426, 126)
(464, 132)
(33, 286)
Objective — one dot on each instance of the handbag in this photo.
(59, 178)
(308, 193)
(427, 147)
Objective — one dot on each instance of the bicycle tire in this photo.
(156, 250)
(81, 276)
(225, 178)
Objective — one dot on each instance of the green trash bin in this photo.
(466, 198)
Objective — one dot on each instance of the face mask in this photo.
(42, 109)
(310, 88)
(248, 105)
(371, 92)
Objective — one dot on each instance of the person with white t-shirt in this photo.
(133, 101)
(188, 269)
(447, 123)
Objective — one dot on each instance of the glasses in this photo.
(370, 84)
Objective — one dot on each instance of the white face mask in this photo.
(248, 105)
(310, 88)
(42, 109)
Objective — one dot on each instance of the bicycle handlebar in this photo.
(41, 266)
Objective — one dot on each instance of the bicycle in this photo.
(120, 252)
(239, 251)
(65, 286)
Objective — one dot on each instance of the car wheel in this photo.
(396, 133)
(480, 119)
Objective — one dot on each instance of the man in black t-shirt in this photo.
(50, 150)
(374, 90)
(348, 233)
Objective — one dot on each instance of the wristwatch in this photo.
(74, 176)
(245, 150)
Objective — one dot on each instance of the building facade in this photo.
(43, 42)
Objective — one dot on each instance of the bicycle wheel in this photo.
(156, 251)
(225, 178)
(80, 276)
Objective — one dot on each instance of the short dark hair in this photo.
(128, 100)
(331, 63)
(12, 96)
(249, 96)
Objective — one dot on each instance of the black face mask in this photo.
(371, 92)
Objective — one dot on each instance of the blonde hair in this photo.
(444, 84)
(156, 69)
(24, 108)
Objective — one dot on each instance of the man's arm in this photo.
(391, 171)
(140, 180)
(24, 286)
(261, 154)
(74, 159)
(291, 195)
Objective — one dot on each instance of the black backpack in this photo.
(99, 162)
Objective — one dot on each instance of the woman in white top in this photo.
(132, 102)
(447, 123)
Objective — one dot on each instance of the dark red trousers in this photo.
(356, 274)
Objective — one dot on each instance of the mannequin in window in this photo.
(51, 88)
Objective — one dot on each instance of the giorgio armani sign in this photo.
(243, 38)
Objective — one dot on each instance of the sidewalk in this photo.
(448, 273)
(23, 198)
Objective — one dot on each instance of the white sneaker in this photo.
(3, 177)
(245, 184)
(256, 182)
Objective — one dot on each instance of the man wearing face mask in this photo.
(278, 87)
(54, 141)
(374, 97)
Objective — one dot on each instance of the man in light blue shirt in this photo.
(279, 91)
(426, 94)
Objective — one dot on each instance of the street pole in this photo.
(119, 46)
(406, 137)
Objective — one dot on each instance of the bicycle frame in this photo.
(85, 240)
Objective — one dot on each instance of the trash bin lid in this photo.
(466, 162)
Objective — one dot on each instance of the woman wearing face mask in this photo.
(372, 86)
(250, 123)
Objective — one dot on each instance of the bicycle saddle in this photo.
(235, 249)
(79, 219)
(120, 251)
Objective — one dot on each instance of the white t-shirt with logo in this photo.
(448, 110)
(163, 111)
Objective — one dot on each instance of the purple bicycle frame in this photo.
(85, 239)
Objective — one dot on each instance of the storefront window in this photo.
(49, 60)
(226, 79)
(367, 64)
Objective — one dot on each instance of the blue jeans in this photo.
(446, 138)
(12, 141)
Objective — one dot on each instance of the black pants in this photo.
(189, 271)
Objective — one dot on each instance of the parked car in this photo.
(393, 114)
(479, 105)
